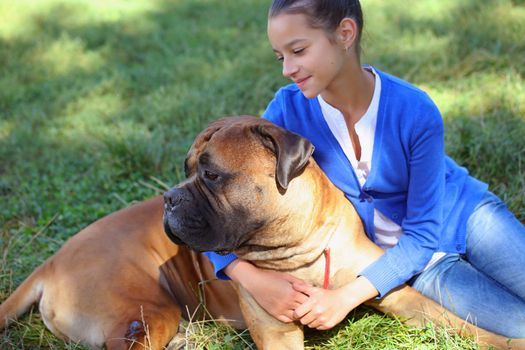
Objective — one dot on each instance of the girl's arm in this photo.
(274, 291)
(423, 141)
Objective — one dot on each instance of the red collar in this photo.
(326, 281)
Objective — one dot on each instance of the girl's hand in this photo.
(326, 308)
(272, 290)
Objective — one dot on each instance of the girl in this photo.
(380, 140)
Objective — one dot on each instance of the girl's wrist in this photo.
(358, 291)
(238, 269)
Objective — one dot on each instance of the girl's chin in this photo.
(309, 93)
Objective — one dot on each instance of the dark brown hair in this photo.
(324, 14)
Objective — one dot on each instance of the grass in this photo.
(99, 99)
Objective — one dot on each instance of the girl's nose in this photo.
(289, 68)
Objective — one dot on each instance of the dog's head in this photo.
(239, 171)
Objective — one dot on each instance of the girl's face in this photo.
(308, 57)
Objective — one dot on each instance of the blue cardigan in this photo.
(412, 181)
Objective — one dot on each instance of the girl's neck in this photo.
(351, 92)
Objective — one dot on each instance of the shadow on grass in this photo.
(490, 147)
(423, 44)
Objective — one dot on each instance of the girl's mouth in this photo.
(302, 82)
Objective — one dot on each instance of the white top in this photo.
(387, 232)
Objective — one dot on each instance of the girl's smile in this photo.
(301, 82)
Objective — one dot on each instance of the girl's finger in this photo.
(303, 288)
(302, 310)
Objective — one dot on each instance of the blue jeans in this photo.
(486, 285)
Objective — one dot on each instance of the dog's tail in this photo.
(27, 294)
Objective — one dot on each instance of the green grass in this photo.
(98, 99)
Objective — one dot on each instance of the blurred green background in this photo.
(100, 100)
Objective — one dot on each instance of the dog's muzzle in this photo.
(172, 200)
(169, 232)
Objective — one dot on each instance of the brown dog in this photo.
(121, 283)
(253, 189)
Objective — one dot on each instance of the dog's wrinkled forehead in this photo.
(234, 138)
(227, 126)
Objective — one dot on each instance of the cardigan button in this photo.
(395, 216)
(365, 197)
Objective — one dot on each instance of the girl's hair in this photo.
(324, 14)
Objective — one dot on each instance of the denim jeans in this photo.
(486, 285)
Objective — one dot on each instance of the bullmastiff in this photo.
(253, 189)
(121, 283)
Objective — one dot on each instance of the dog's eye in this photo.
(210, 176)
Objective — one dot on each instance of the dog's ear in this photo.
(291, 150)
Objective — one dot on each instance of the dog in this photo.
(253, 188)
(122, 284)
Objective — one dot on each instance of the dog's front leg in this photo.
(266, 331)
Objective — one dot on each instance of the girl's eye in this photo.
(210, 176)
(297, 51)
(279, 58)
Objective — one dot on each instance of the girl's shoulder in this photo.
(398, 86)
(400, 93)
(405, 104)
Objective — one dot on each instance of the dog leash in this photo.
(326, 281)
(326, 253)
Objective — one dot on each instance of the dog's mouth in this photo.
(223, 252)
(177, 240)
(199, 236)
(174, 238)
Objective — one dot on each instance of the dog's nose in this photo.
(174, 197)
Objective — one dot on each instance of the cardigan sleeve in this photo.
(220, 262)
(422, 223)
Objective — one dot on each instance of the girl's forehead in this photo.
(286, 20)
(284, 29)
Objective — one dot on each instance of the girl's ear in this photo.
(347, 32)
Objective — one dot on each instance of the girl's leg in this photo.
(487, 285)
(473, 296)
(496, 244)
